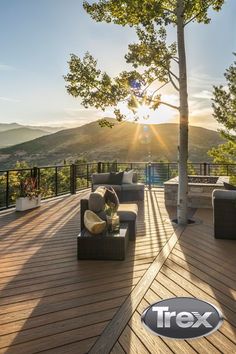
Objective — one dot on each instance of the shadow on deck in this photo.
(50, 302)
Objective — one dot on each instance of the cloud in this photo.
(5, 67)
(9, 99)
(204, 94)
(203, 118)
(76, 112)
(201, 81)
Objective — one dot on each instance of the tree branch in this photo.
(168, 10)
(175, 76)
(169, 105)
(199, 13)
(145, 89)
(172, 81)
(163, 85)
(176, 59)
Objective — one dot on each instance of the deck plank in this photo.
(53, 303)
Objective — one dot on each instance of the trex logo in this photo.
(182, 318)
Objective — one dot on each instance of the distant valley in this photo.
(124, 142)
(14, 133)
(10, 126)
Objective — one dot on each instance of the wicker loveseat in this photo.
(224, 213)
(125, 191)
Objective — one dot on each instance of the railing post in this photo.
(99, 167)
(73, 178)
(205, 168)
(149, 175)
(35, 172)
(87, 171)
(56, 181)
(7, 190)
(35, 175)
(38, 178)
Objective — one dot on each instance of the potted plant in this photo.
(29, 195)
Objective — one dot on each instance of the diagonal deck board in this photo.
(105, 343)
(51, 303)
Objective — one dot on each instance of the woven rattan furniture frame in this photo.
(106, 246)
(224, 214)
(131, 223)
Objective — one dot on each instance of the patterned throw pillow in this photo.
(111, 196)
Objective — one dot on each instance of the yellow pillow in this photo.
(93, 223)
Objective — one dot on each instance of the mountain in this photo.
(124, 142)
(19, 135)
(10, 126)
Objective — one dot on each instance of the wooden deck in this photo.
(51, 303)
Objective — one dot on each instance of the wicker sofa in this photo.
(224, 213)
(125, 191)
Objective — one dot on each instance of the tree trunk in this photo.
(183, 124)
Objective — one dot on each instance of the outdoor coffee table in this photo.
(111, 246)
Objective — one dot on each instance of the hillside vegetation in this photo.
(124, 142)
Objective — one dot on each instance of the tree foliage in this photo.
(154, 61)
(161, 12)
(224, 106)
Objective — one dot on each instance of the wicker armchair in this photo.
(127, 216)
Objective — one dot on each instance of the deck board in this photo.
(52, 303)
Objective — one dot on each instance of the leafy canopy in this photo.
(224, 106)
(154, 62)
(161, 12)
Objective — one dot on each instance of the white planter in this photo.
(25, 203)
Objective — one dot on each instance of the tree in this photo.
(224, 106)
(155, 64)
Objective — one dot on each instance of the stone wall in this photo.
(199, 194)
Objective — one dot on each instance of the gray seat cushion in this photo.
(133, 187)
(100, 178)
(127, 212)
(224, 194)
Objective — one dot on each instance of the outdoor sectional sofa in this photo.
(224, 213)
(125, 191)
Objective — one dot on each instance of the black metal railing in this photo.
(68, 179)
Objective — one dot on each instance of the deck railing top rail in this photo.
(64, 179)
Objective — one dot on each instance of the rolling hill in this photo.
(10, 126)
(124, 142)
(19, 135)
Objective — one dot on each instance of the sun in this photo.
(162, 115)
(146, 115)
(144, 112)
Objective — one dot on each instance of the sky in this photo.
(37, 37)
